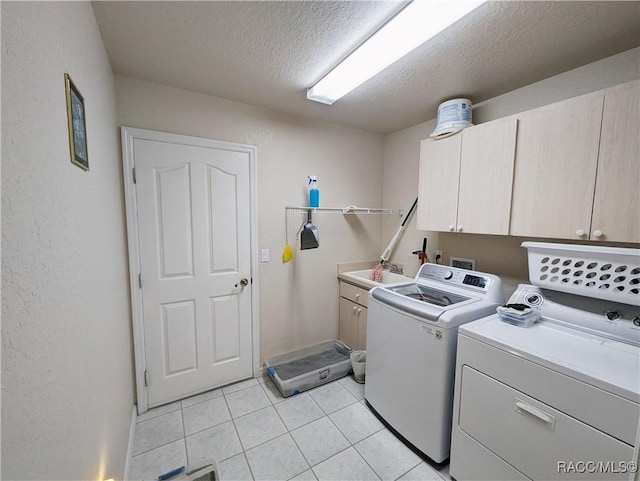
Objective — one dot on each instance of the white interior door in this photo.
(194, 236)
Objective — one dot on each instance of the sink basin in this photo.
(363, 277)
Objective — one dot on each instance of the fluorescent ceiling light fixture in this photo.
(411, 27)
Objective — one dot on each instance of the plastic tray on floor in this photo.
(307, 368)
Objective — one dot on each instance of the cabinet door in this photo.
(486, 177)
(438, 183)
(362, 328)
(348, 325)
(616, 206)
(555, 172)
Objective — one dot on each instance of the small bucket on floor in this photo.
(358, 363)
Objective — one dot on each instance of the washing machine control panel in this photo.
(453, 275)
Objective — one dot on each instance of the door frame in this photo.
(128, 135)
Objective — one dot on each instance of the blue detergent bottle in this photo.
(314, 192)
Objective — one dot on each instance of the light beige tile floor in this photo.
(327, 433)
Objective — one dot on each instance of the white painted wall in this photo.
(501, 255)
(299, 299)
(67, 385)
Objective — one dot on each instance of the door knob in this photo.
(243, 282)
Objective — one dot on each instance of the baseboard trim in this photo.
(132, 436)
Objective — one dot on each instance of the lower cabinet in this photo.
(353, 316)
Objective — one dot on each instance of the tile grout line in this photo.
(327, 415)
(209, 427)
(246, 460)
(289, 431)
(235, 428)
(184, 435)
(353, 445)
(363, 458)
(233, 421)
(295, 442)
(161, 445)
(273, 405)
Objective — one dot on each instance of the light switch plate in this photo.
(264, 255)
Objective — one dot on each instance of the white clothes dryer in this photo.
(559, 400)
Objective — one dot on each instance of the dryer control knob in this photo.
(448, 275)
(533, 299)
(613, 315)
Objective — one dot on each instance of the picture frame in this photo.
(76, 121)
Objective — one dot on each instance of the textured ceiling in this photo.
(268, 53)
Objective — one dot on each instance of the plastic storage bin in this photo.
(307, 368)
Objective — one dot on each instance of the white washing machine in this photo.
(411, 346)
(560, 399)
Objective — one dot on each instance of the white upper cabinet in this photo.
(438, 183)
(465, 180)
(570, 170)
(486, 177)
(556, 159)
(616, 206)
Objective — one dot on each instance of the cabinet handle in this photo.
(357, 296)
(597, 233)
(459, 228)
(359, 310)
(580, 233)
(539, 415)
(355, 309)
(451, 228)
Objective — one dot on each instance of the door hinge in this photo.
(140, 280)
(134, 175)
(146, 378)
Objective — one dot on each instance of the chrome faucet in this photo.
(393, 268)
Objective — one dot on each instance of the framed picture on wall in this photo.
(77, 124)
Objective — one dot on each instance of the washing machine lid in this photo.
(611, 365)
(420, 300)
(443, 294)
(428, 294)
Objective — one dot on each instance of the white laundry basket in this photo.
(610, 273)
